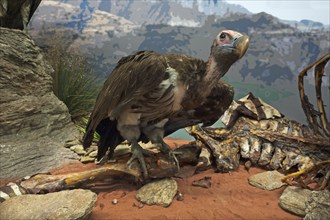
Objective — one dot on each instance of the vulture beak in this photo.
(241, 43)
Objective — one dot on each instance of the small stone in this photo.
(123, 195)
(160, 192)
(318, 205)
(247, 165)
(179, 196)
(93, 154)
(138, 205)
(269, 180)
(78, 149)
(91, 149)
(204, 182)
(87, 159)
(186, 171)
(58, 205)
(293, 200)
(71, 143)
(115, 201)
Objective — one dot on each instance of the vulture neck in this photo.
(214, 71)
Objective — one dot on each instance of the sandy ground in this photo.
(229, 197)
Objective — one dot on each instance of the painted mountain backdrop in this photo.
(106, 30)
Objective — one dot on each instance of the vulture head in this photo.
(227, 48)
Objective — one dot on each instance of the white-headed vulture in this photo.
(150, 95)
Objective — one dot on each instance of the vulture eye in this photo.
(222, 36)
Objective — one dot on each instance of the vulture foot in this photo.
(164, 148)
(137, 153)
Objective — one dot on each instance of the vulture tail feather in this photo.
(89, 135)
(109, 137)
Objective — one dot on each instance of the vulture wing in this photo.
(133, 76)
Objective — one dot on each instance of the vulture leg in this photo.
(137, 153)
(155, 134)
(130, 130)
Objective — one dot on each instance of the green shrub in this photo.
(74, 82)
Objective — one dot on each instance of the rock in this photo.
(204, 182)
(160, 192)
(91, 149)
(318, 205)
(34, 123)
(269, 180)
(115, 201)
(186, 171)
(68, 204)
(93, 154)
(248, 165)
(78, 149)
(293, 200)
(71, 143)
(139, 205)
(20, 159)
(87, 159)
(179, 196)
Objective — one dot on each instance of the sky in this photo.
(316, 10)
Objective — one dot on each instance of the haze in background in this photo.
(105, 31)
(290, 10)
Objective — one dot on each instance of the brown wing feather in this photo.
(133, 76)
(135, 80)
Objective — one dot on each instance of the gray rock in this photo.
(293, 200)
(93, 154)
(269, 180)
(68, 204)
(34, 123)
(20, 158)
(318, 205)
(160, 192)
(71, 143)
(87, 159)
(78, 149)
(91, 149)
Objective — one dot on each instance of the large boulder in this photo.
(293, 200)
(74, 204)
(34, 123)
(318, 205)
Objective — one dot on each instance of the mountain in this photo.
(85, 26)
(107, 30)
(306, 25)
(214, 7)
(145, 12)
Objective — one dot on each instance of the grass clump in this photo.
(74, 82)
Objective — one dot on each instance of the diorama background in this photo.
(106, 30)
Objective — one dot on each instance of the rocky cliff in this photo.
(34, 123)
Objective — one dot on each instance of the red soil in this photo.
(229, 197)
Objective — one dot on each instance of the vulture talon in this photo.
(137, 153)
(172, 155)
(164, 148)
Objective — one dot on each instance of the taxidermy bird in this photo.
(150, 95)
